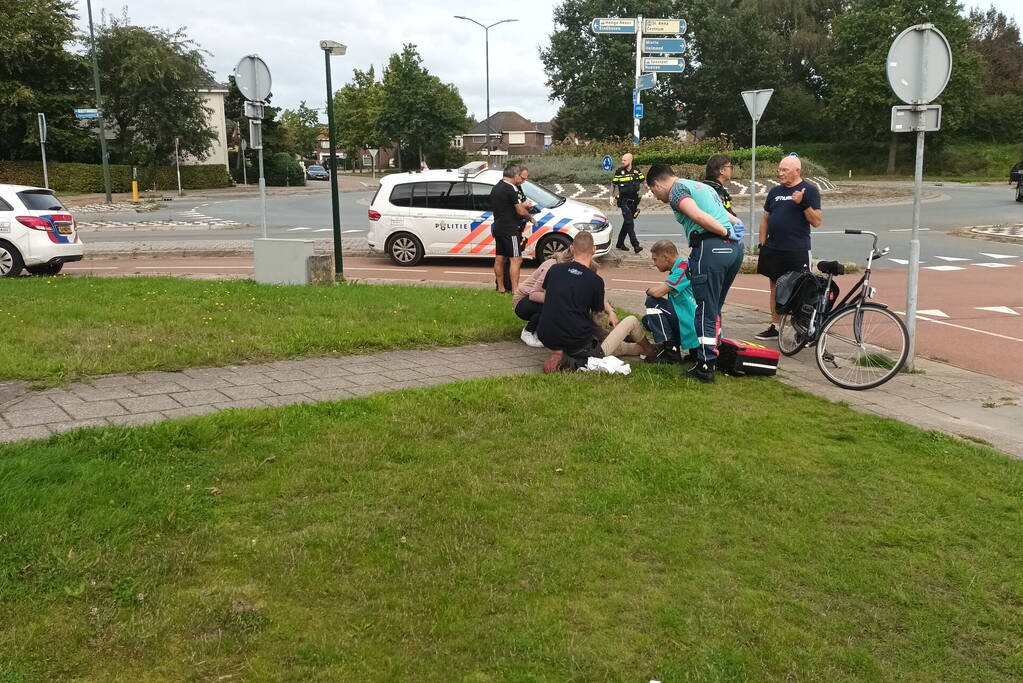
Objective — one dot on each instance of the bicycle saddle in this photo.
(831, 268)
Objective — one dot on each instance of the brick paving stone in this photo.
(247, 391)
(367, 380)
(242, 403)
(136, 419)
(154, 376)
(203, 383)
(148, 404)
(63, 397)
(332, 370)
(329, 395)
(328, 383)
(24, 433)
(364, 368)
(87, 392)
(31, 403)
(241, 379)
(78, 424)
(289, 375)
(198, 398)
(29, 418)
(192, 411)
(402, 375)
(115, 381)
(86, 410)
(150, 389)
(290, 399)
(437, 370)
(288, 388)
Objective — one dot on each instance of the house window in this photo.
(324, 144)
(516, 138)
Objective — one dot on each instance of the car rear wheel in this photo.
(405, 249)
(550, 246)
(11, 263)
(46, 269)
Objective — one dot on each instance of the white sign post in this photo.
(645, 81)
(373, 153)
(919, 66)
(252, 77)
(42, 148)
(756, 102)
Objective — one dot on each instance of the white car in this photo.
(36, 232)
(447, 213)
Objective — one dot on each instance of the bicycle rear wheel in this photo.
(862, 348)
(791, 335)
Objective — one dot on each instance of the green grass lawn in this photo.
(539, 528)
(62, 329)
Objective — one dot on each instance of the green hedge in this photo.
(699, 155)
(86, 178)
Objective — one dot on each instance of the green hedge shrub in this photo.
(282, 169)
(87, 178)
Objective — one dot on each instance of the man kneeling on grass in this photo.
(671, 308)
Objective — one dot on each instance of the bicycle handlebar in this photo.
(853, 232)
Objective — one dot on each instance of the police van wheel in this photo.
(405, 249)
(11, 263)
(550, 246)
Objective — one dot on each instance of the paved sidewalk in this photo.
(149, 397)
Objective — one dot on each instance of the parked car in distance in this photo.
(316, 173)
(36, 232)
(447, 213)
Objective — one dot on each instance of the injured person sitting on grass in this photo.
(671, 308)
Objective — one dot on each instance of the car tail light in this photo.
(35, 223)
(374, 215)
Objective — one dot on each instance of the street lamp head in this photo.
(335, 48)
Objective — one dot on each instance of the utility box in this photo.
(284, 262)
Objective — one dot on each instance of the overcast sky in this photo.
(286, 35)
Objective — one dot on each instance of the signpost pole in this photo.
(639, 71)
(99, 106)
(262, 185)
(245, 174)
(753, 186)
(914, 251)
(42, 148)
(177, 162)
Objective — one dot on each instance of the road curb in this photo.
(988, 233)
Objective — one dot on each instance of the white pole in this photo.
(177, 163)
(262, 190)
(753, 189)
(914, 251)
(42, 148)
(639, 71)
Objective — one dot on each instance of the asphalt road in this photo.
(310, 216)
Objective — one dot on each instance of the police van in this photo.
(447, 213)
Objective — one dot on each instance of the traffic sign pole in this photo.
(756, 101)
(639, 70)
(42, 148)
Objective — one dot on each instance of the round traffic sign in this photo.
(919, 64)
(252, 77)
(607, 162)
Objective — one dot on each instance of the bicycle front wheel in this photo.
(791, 335)
(861, 348)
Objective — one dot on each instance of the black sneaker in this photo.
(702, 372)
(622, 247)
(637, 248)
(770, 333)
(668, 355)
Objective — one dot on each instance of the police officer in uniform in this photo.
(719, 172)
(626, 183)
(716, 241)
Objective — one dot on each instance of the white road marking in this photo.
(323, 230)
(952, 258)
(901, 262)
(297, 229)
(396, 270)
(968, 329)
(467, 272)
(984, 253)
(944, 268)
(934, 313)
(997, 309)
(92, 268)
(347, 232)
(190, 267)
(995, 265)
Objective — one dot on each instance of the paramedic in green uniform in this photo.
(670, 306)
(715, 238)
(626, 184)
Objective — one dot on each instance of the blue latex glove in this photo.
(737, 231)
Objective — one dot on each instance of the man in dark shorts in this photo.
(573, 294)
(507, 232)
(791, 210)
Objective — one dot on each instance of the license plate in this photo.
(64, 228)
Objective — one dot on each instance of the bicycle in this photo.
(859, 344)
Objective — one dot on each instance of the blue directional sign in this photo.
(646, 81)
(86, 113)
(613, 25)
(664, 46)
(607, 163)
(637, 111)
(664, 64)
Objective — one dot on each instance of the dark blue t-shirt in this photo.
(787, 227)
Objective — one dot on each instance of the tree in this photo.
(593, 76)
(39, 74)
(152, 80)
(996, 38)
(420, 111)
(301, 127)
(358, 107)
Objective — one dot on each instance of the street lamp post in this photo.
(99, 106)
(331, 48)
(486, 38)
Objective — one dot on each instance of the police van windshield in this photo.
(541, 195)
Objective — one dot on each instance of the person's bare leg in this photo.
(775, 318)
(499, 273)
(516, 266)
